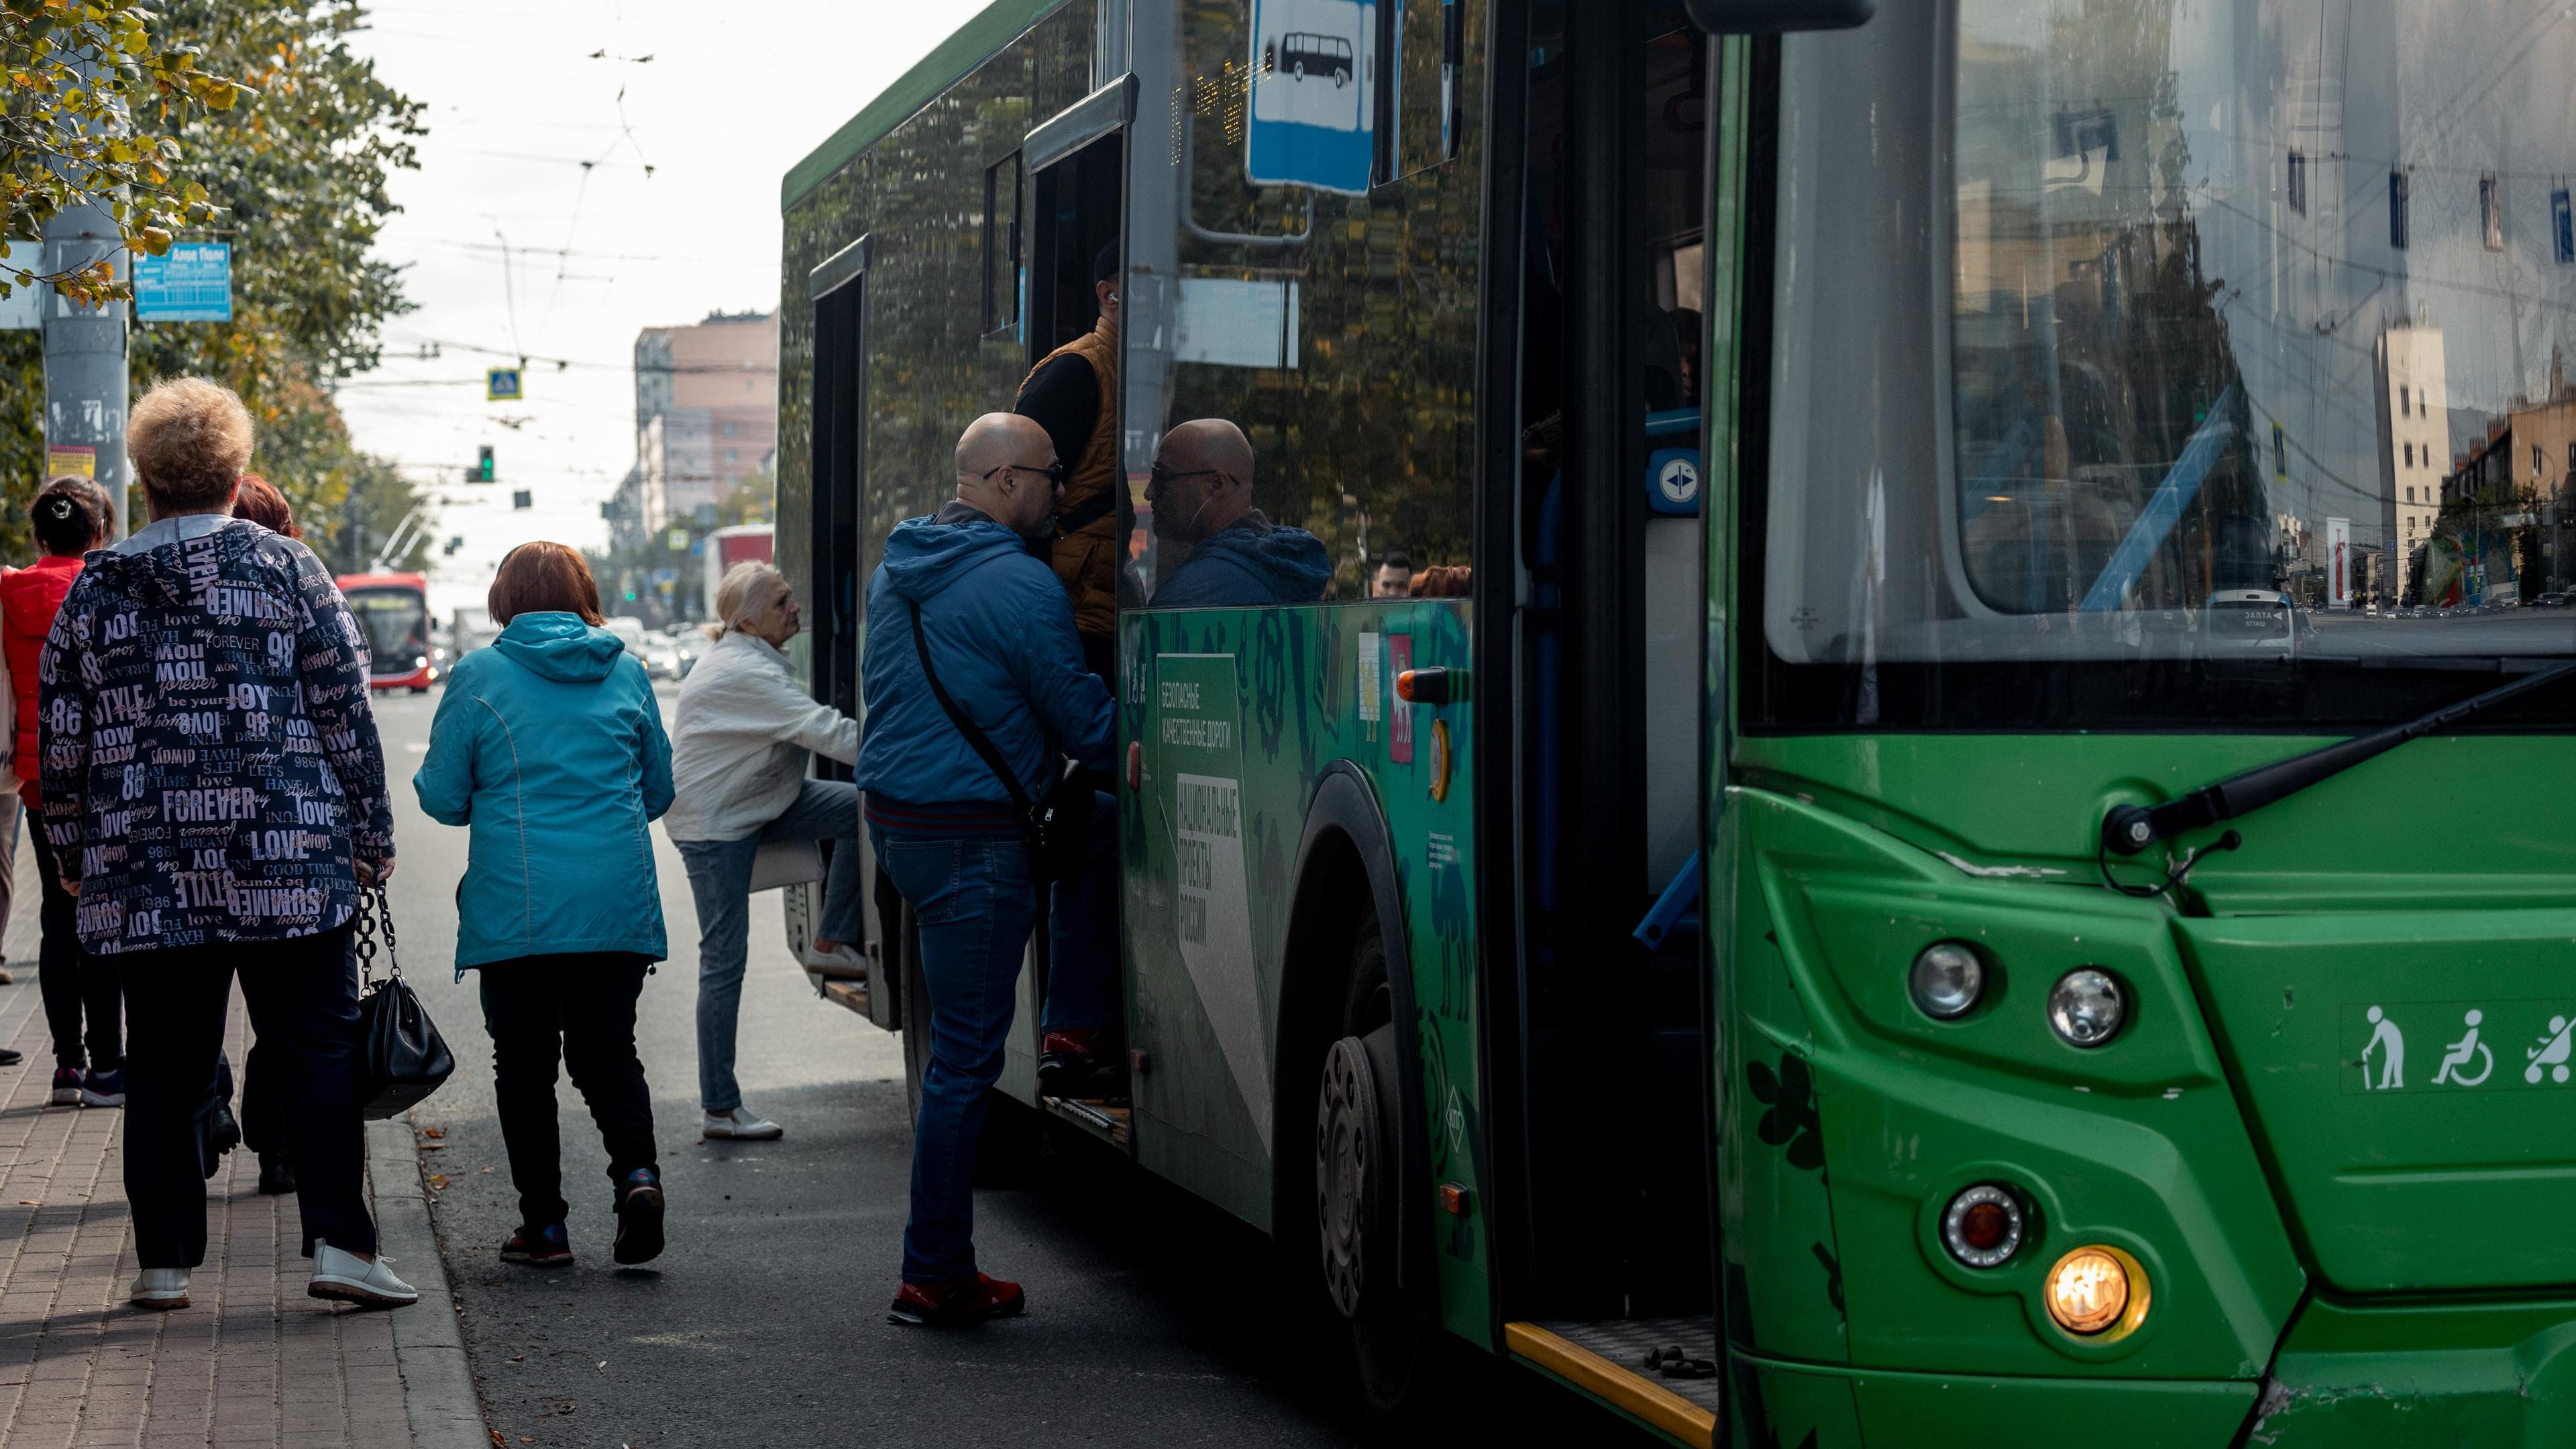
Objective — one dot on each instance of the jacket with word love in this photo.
(210, 761)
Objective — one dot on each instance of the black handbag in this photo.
(401, 1056)
(1058, 827)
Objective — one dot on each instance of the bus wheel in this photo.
(1358, 1174)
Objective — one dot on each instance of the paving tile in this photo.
(252, 1362)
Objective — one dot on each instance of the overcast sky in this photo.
(510, 246)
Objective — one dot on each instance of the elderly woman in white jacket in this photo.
(739, 744)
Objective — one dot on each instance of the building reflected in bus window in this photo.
(1273, 286)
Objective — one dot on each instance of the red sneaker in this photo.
(947, 1305)
(1081, 1063)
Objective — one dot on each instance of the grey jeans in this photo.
(720, 880)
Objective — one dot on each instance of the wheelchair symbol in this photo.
(2457, 1054)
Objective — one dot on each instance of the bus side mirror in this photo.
(1774, 17)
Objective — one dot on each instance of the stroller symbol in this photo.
(2551, 1053)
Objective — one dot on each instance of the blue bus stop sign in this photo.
(1313, 118)
(191, 282)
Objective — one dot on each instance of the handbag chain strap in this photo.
(375, 913)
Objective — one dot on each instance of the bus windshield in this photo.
(2235, 321)
(396, 623)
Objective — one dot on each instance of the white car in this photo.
(660, 653)
(2260, 620)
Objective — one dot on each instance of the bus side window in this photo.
(1327, 315)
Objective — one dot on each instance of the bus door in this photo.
(1612, 1037)
(1076, 163)
(836, 566)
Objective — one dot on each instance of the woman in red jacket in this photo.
(72, 517)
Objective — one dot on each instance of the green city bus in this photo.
(1952, 839)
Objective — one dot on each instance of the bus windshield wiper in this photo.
(2129, 829)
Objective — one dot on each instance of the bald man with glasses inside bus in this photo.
(1201, 494)
(973, 669)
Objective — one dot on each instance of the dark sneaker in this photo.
(276, 1174)
(104, 1089)
(546, 1247)
(10, 1058)
(639, 1218)
(952, 1305)
(1080, 1064)
(67, 1086)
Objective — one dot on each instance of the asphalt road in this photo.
(1154, 1319)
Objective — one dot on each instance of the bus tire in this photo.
(1358, 1185)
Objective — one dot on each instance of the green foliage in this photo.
(91, 95)
(299, 173)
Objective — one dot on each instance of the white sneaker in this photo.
(838, 964)
(740, 1126)
(160, 1288)
(353, 1279)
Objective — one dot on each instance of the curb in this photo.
(429, 1344)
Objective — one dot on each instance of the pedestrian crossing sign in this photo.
(501, 384)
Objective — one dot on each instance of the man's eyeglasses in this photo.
(1055, 472)
(1160, 476)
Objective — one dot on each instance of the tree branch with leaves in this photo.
(91, 95)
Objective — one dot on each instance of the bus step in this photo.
(1606, 1360)
(1101, 1119)
(852, 994)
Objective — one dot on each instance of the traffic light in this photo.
(520, 498)
(483, 465)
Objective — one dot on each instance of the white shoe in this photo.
(160, 1288)
(740, 1126)
(353, 1279)
(838, 964)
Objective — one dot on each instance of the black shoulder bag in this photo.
(1059, 825)
(401, 1056)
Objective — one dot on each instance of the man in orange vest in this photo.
(1073, 394)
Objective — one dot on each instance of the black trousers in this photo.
(582, 1007)
(73, 981)
(303, 997)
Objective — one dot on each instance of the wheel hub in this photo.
(1346, 1158)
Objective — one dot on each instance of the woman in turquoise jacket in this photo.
(549, 747)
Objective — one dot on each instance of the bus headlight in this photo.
(2096, 1289)
(1947, 980)
(2087, 1007)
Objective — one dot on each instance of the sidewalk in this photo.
(254, 1361)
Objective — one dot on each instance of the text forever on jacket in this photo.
(210, 754)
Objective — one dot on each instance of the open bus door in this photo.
(1076, 168)
(837, 565)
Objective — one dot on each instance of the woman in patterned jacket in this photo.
(215, 793)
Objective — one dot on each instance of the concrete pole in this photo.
(85, 379)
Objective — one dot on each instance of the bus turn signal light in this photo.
(1429, 685)
(2095, 1290)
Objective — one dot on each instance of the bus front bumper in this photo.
(2494, 1375)
(2489, 1374)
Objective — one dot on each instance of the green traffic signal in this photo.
(483, 464)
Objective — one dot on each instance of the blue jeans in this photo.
(720, 880)
(975, 906)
